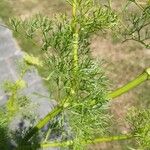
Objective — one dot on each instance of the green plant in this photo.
(139, 122)
(77, 82)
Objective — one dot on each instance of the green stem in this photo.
(132, 84)
(42, 123)
(109, 2)
(94, 141)
(75, 46)
(57, 110)
(138, 5)
(47, 134)
(75, 35)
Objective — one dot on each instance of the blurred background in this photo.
(122, 61)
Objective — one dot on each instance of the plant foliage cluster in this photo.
(76, 81)
(139, 122)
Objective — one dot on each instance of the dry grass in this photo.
(123, 63)
(26, 8)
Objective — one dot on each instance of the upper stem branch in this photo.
(130, 85)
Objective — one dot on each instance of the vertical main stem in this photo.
(75, 36)
(75, 46)
(109, 1)
(58, 109)
(75, 51)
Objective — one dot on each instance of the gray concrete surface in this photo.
(9, 54)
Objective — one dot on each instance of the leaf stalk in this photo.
(132, 84)
(87, 142)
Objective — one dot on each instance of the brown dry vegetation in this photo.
(123, 61)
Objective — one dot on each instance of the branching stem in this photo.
(132, 84)
(87, 142)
